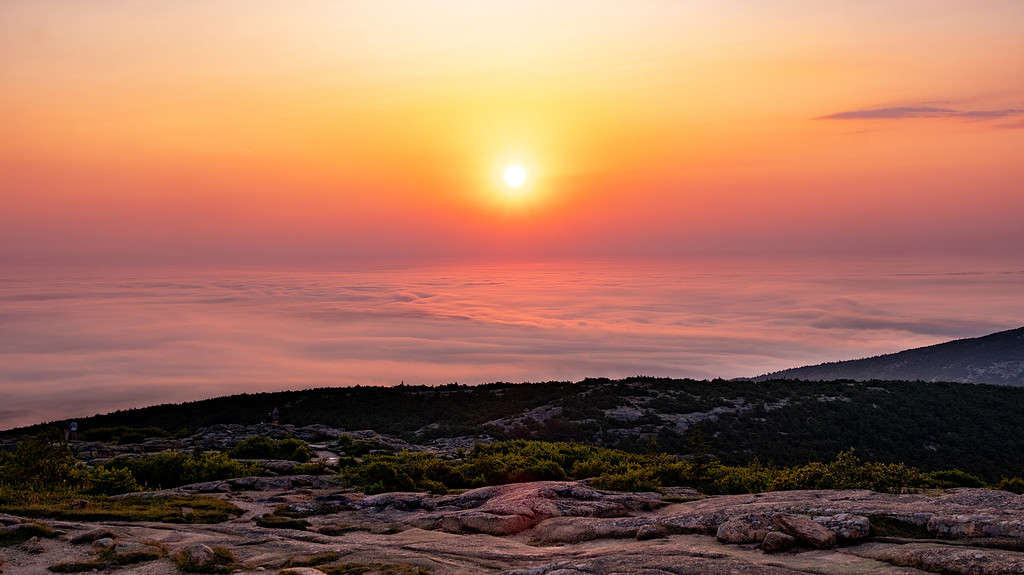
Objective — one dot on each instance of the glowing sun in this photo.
(514, 176)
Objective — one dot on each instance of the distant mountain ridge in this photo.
(997, 358)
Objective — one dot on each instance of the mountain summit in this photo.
(997, 358)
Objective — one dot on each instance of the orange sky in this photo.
(291, 131)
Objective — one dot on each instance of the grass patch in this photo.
(272, 521)
(23, 532)
(313, 560)
(311, 468)
(223, 562)
(165, 509)
(679, 499)
(340, 529)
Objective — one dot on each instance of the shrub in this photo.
(953, 478)
(41, 462)
(632, 480)
(263, 447)
(104, 481)
(172, 469)
(311, 468)
(1013, 485)
(359, 447)
(517, 461)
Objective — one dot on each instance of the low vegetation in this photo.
(262, 447)
(23, 532)
(68, 505)
(278, 521)
(172, 469)
(314, 559)
(519, 461)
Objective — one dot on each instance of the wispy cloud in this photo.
(905, 112)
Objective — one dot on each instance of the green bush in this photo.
(41, 462)
(263, 447)
(633, 480)
(1012, 484)
(172, 469)
(518, 461)
(105, 481)
(359, 447)
(953, 478)
(311, 468)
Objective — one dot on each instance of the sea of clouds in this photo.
(74, 343)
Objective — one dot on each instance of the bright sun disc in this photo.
(515, 176)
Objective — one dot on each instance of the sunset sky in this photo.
(290, 132)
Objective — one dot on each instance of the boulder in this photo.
(777, 541)
(806, 530)
(197, 556)
(744, 529)
(103, 543)
(301, 571)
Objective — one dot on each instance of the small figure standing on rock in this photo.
(73, 431)
(275, 416)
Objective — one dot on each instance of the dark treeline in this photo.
(931, 426)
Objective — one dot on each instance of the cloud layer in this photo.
(72, 345)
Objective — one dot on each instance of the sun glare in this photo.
(515, 176)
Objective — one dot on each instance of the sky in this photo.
(303, 132)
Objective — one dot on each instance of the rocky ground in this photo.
(551, 528)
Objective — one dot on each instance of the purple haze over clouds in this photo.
(73, 344)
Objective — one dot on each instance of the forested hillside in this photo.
(997, 358)
(929, 425)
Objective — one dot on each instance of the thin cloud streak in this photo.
(907, 112)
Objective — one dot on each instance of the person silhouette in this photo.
(275, 416)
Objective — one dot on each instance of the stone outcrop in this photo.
(556, 528)
(744, 529)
